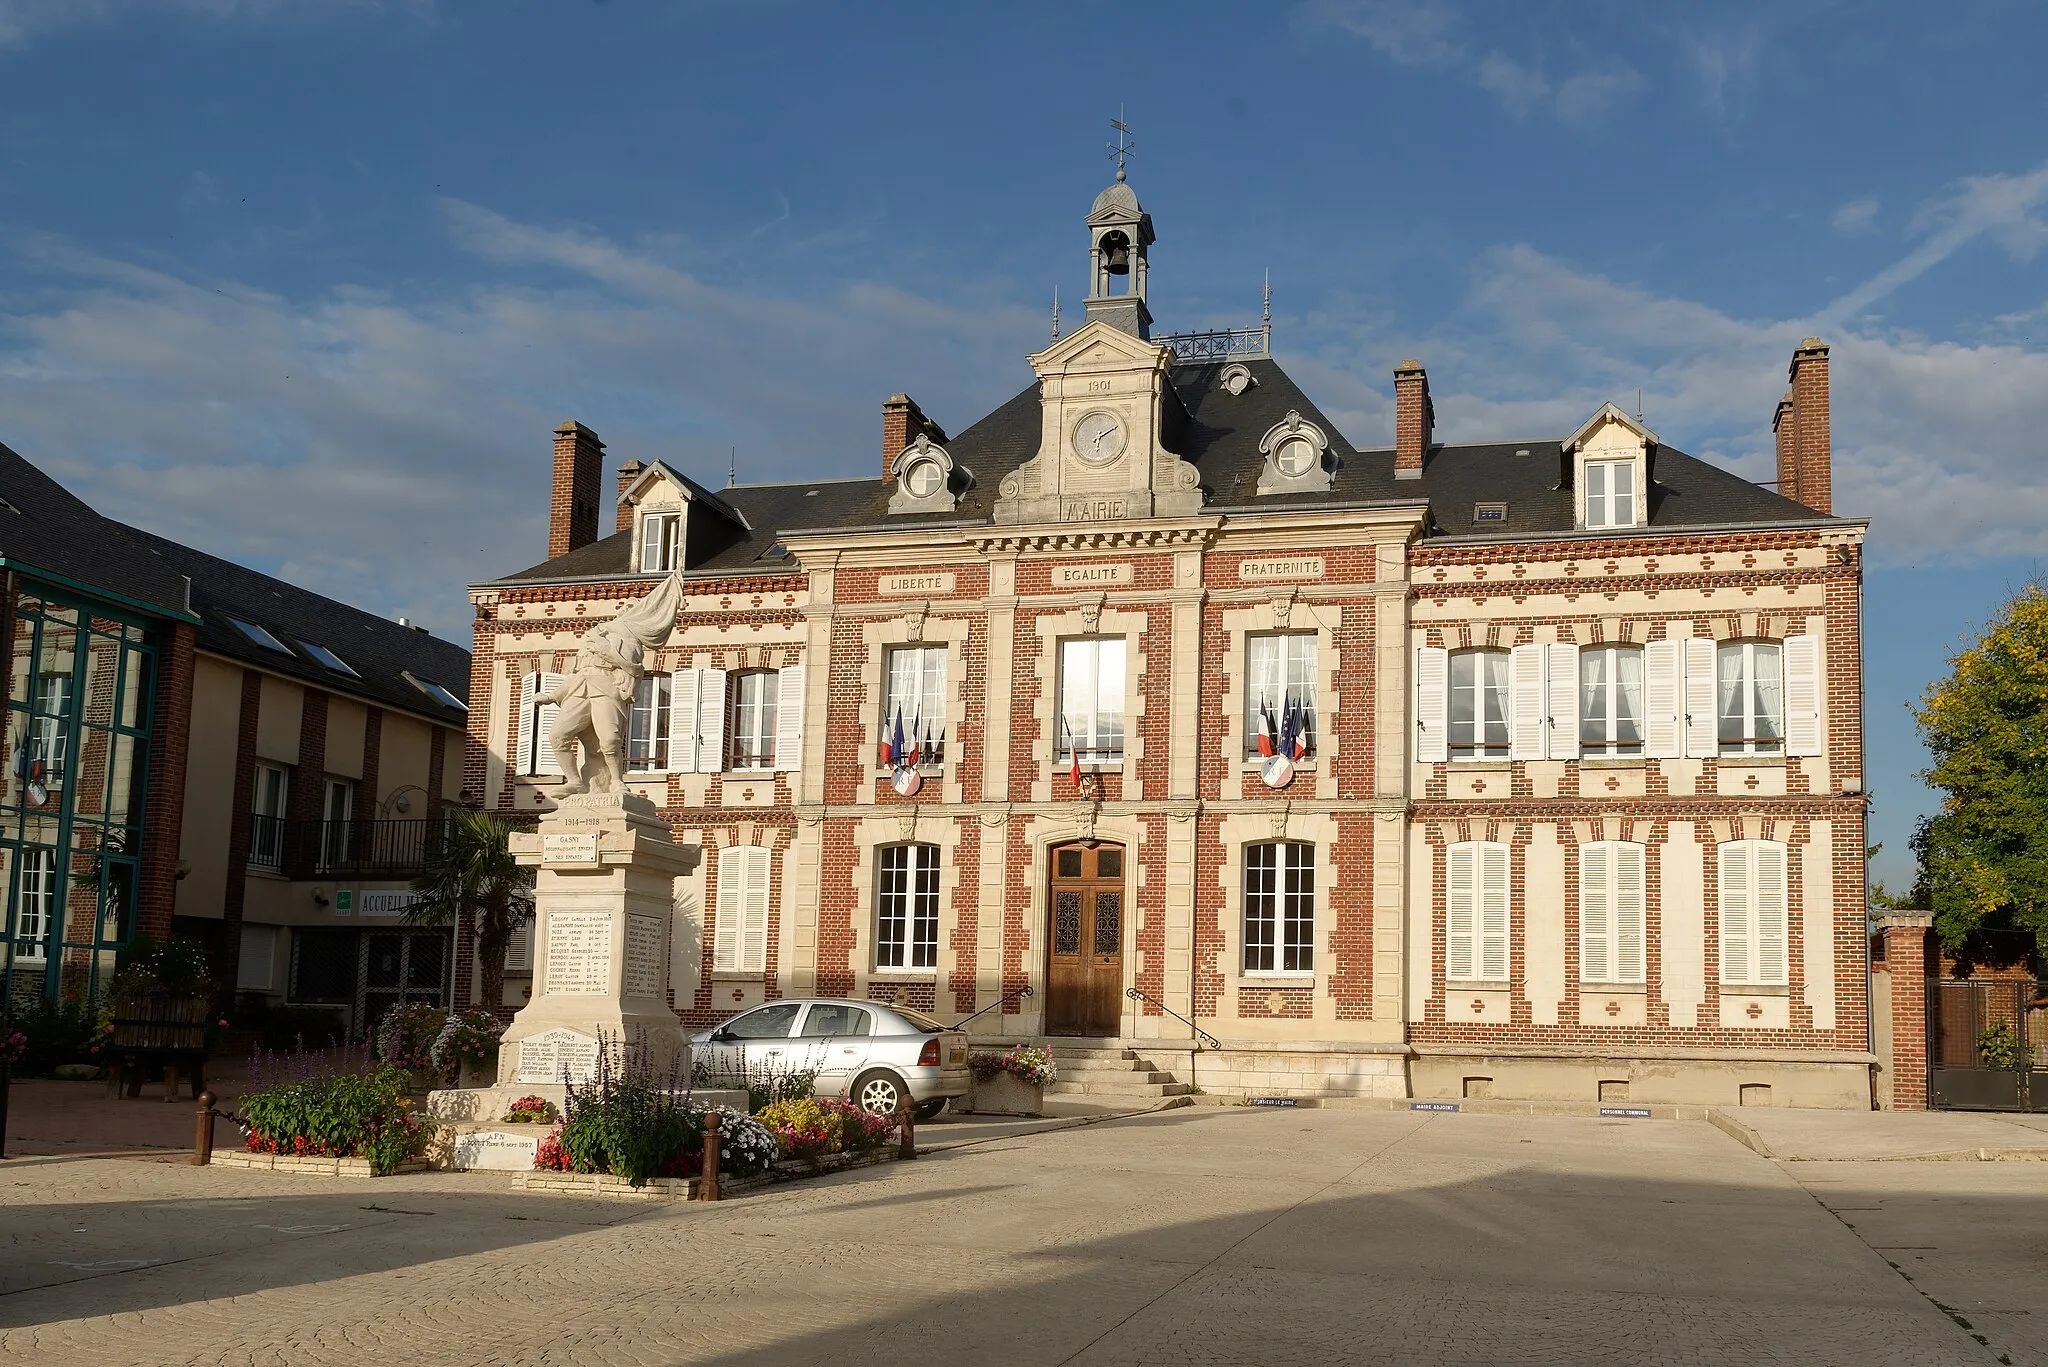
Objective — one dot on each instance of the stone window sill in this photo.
(1478, 985)
(1306, 979)
(1616, 989)
(1613, 762)
(885, 976)
(735, 975)
(1251, 764)
(1751, 761)
(1756, 989)
(1481, 766)
(924, 771)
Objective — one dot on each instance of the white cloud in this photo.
(1856, 216)
(2002, 207)
(23, 20)
(1432, 34)
(388, 450)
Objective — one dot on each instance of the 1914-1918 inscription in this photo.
(579, 954)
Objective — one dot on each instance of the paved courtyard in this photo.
(1209, 1235)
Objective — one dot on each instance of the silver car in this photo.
(870, 1053)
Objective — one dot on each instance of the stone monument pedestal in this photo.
(604, 908)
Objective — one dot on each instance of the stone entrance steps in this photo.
(1096, 1071)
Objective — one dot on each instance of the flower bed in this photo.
(809, 1129)
(1031, 1066)
(530, 1110)
(623, 1125)
(364, 1115)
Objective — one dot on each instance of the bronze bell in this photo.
(1116, 249)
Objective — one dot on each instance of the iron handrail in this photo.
(1024, 991)
(1135, 995)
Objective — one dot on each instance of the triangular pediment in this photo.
(689, 490)
(1095, 343)
(1609, 413)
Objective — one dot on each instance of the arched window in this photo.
(1280, 907)
(907, 906)
(1611, 915)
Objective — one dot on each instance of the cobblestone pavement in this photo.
(1211, 1236)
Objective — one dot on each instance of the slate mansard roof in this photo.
(1220, 437)
(48, 532)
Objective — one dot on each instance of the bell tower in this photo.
(1119, 237)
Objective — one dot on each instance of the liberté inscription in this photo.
(905, 585)
(579, 950)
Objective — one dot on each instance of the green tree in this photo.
(1984, 855)
(473, 881)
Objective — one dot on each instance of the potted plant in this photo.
(1011, 1083)
(467, 1047)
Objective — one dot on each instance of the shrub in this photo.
(859, 1131)
(531, 1110)
(764, 1083)
(1030, 1066)
(622, 1123)
(2000, 1048)
(344, 1115)
(406, 1035)
(467, 1041)
(66, 1029)
(803, 1128)
(13, 1045)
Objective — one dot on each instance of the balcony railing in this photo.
(357, 848)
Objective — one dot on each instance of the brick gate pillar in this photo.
(1906, 937)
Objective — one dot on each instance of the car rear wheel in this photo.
(931, 1110)
(878, 1093)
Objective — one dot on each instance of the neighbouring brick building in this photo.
(1512, 768)
(196, 748)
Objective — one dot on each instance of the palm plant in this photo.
(472, 880)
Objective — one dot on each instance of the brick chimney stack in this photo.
(1788, 447)
(628, 472)
(579, 469)
(902, 420)
(1812, 440)
(1414, 419)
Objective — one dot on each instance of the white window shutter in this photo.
(1460, 904)
(1663, 700)
(1526, 712)
(1738, 940)
(1493, 912)
(789, 717)
(1432, 705)
(1596, 913)
(522, 760)
(544, 760)
(519, 950)
(682, 721)
(1626, 892)
(1702, 707)
(732, 880)
(710, 721)
(1768, 908)
(1803, 695)
(1562, 662)
(754, 931)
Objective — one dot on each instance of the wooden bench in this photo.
(156, 1030)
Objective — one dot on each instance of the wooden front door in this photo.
(1084, 977)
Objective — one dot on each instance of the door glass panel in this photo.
(1108, 924)
(1066, 923)
(1070, 863)
(1109, 863)
(424, 963)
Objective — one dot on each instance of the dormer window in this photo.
(926, 478)
(661, 542)
(1297, 457)
(1236, 378)
(1610, 493)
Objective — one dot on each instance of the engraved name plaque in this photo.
(568, 847)
(579, 954)
(546, 1057)
(646, 947)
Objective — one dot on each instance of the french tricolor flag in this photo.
(892, 745)
(1265, 730)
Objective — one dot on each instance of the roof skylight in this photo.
(327, 657)
(258, 635)
(438, 693)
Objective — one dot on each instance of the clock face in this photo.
(1099, 438)
(922, 479)
(1296, 456)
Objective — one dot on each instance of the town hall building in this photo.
(1519, 768)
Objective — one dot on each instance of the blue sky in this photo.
(308, 282)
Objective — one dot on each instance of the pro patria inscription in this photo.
(1280, 567)
(905, 585)
(579, 950)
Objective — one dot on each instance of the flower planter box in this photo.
(1005, 1094)
(307, 1167)
(685, 1188)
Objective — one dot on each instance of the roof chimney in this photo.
(902, 420)
(1414, 419)
(1788, 447)
(1812, 442)
(572, 509)
(628, 472)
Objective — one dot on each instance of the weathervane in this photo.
(1055, 313)
(1124, 146)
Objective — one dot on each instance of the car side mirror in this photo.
(722, 1036)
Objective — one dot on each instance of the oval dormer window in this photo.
(923, 479)
(1296, 456)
